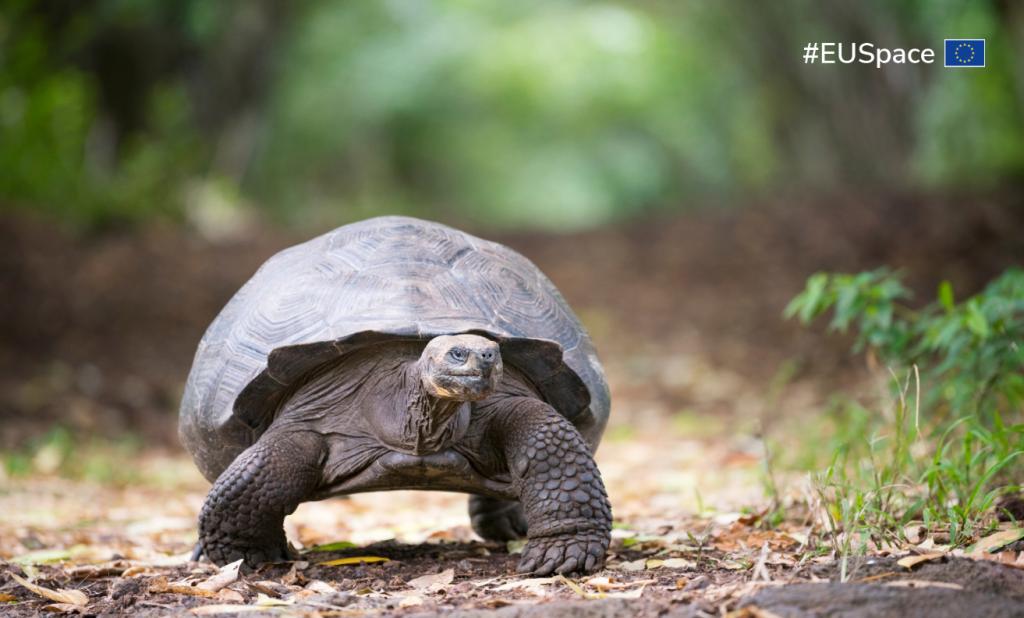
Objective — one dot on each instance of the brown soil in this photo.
(955, 588)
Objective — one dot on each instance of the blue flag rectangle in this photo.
(965, 53)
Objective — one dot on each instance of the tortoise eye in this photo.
(458, 354)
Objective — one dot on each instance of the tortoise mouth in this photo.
(467, 374)
(473, 382)
(463, 385)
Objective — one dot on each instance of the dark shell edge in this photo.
(541, 360)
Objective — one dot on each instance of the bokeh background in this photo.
(673, 166)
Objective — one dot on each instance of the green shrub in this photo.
(972, 353)
(953, 442)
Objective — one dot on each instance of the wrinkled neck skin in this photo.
(403, 415)
(377, 393)
(430, 424)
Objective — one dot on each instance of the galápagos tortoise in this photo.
(396, 353)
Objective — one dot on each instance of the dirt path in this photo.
(411, 553)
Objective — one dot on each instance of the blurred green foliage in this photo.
(57, 143)
(557, 113)
(59, 451)
(970, 352)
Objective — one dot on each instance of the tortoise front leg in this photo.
(568, 517)
(243, 516)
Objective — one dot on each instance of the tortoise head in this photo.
(460, 367)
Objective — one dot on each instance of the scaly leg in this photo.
(567, 511)
(243, 516)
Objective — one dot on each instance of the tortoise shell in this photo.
(388, 278)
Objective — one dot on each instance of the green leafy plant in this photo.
(972, 352)
(953, 442)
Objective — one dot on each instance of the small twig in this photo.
(871, 578)
(760, 570)
(155, 604)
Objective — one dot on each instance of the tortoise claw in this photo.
(226, 553)
(563, 554)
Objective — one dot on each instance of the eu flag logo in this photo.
(965, 53)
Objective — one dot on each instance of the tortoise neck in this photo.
(431, 423)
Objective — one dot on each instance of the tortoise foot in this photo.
(224, 552)
(244, 513)
(581, 552)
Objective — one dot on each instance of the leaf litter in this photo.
(405, 551)
(67, 597)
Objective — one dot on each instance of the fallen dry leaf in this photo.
(603, 583)
(738, 537)
(534, 585)
(136, 570)
(209, 610)
(7, 598)
(671, 563)
(909, 562)
(62, 608)
(321, 587)
(292, 575)
(485, 582)
(994, 542)
(71, 597)
(1008, 558)
(92, 571)
(633, 593)
(410, 601)
(354, 560)
(301, 594)
(230, 596)
(635, 565)
(161, 585)
(433, 581)
(268, 587)
(227, 575)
